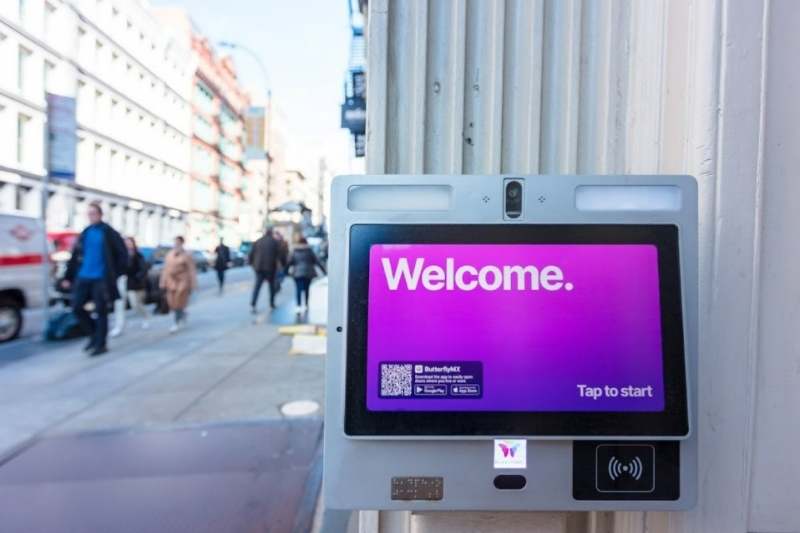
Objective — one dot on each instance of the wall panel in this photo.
(705, 87)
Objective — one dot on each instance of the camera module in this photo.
(513, 199)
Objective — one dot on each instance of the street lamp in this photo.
(268, 141)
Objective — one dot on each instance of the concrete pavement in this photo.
(225, 366)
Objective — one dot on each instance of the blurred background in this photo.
(196, 118)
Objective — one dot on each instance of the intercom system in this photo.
(512, 343)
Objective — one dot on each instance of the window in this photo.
(113, 175)
(23, 125)
(98, 97)
(113, 114)
(49, 11)
(23, 8)
(83, 101)
(22, 68)
(19, 197)
(48, 74)
(84, 47)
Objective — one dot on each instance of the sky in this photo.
(304, 45)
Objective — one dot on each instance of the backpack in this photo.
(63, 325)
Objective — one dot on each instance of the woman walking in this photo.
(137, 280)
(132, 285)
(302, 267)
(178, 279)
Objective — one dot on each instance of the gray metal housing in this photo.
(358, 472)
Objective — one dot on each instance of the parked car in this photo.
(22, 270)
(61, 245)
(200, 260)
(238, 258)
(154, 256)
(244, 249)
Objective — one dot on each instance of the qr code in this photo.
(395, 380)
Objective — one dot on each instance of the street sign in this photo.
(254, 120)
(359, 79)
(61, 136)
(354, 115)
(360, 142)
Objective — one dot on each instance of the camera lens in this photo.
(513, 199)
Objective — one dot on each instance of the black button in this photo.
(510, 482)
(625, 467)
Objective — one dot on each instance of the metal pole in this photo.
(265, 74)
(43, 216)
(268, 147)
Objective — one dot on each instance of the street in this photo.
(226, 366)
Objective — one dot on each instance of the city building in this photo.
(287, 187)
(253, 210)
(218, 174)
(273, 124)
(132, 84)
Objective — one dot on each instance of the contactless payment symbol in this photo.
(510, 453)
(617, 469)
(625, 468)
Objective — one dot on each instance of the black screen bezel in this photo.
(671, 422)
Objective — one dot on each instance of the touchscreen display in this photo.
(514, 327)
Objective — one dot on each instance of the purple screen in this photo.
(514, 327)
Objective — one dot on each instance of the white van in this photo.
(22, 267)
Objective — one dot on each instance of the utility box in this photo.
(512, 343)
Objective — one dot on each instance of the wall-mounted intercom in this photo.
(512, 343)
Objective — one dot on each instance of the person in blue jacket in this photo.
(99, 257)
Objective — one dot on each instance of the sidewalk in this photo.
(225, 366)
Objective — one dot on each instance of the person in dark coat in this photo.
(221, 261)
(303, 265)
(264, 257)
(132, 285)
(137, 280)
(99, 257)
(283, 257)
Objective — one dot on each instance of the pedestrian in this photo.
(221, 261)
(134, 290)
(283, 257)
(98, 259)
(178, 279)
(265, 259)
(302, 267)
(131, 286)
